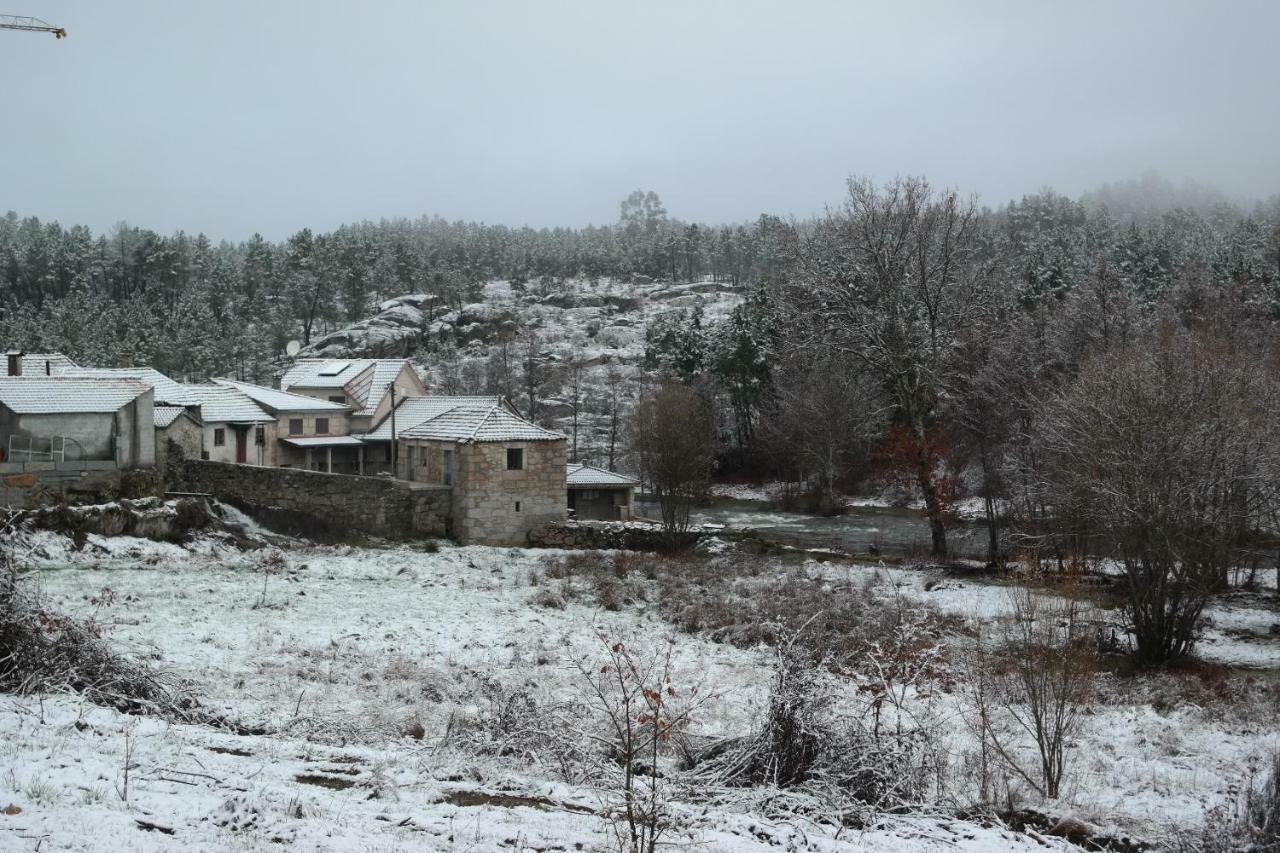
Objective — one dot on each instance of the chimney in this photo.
(275, 380)
(15, 362)
(125, 359)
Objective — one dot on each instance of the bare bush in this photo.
(515, 722)
(809, 745)
(787, 747)
(1260, 816)
(643, 711)
(1033, 687)
(1164, 455)
(44, 651)
(748, 601)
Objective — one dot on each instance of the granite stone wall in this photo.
(27, 485)
(337, 503)
(605, 535)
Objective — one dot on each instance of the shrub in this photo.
(44, 651)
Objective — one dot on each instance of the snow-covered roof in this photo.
(44, 364)
(372, 383)
(466, 424)
(325, 372)
(220, 404)
(415, 410)
(363, 380)
(324, 441)
(167, 390)
(274, 400)
(166, 415)
(46, 395)
(590, 475)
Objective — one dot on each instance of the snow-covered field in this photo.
(372, 665)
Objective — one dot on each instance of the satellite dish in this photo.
(292, 348)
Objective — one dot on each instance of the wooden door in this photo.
(242, 446)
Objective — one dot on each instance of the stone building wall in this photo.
(186, 434)
(337, 503)
(494, 506)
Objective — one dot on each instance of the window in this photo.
(322, 426)
(388, 459)
(337, 398)
(295, 426)
(446, 468)
(260, 436)
(515, 458)
(517, 506)
(219, 437)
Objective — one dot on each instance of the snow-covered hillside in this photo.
(584, 338)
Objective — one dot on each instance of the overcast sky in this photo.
(231, 117)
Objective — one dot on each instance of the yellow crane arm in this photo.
(31, 25)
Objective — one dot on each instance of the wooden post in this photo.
(360, 459)
(328, 460)
(308, 458)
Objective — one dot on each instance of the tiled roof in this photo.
(370, 386)
(363, 380)
(167, 390)
(324, 372)
(590, 475)
(166, 415)
(416, 410)
(468, 423)
(40, 395)
(281, 401)
(44, 364)
(220, 404)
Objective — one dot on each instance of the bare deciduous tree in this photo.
(896, 279)
(675, 439)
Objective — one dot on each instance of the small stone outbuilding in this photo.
(596, 494)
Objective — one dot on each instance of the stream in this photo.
(860, 530)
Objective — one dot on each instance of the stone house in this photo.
(178, 429)
(507, 474)
(409, 412)
(596, 494)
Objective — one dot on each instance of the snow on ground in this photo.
(194, 788)
(351, 644)
(348, 649)
(1134, 767)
